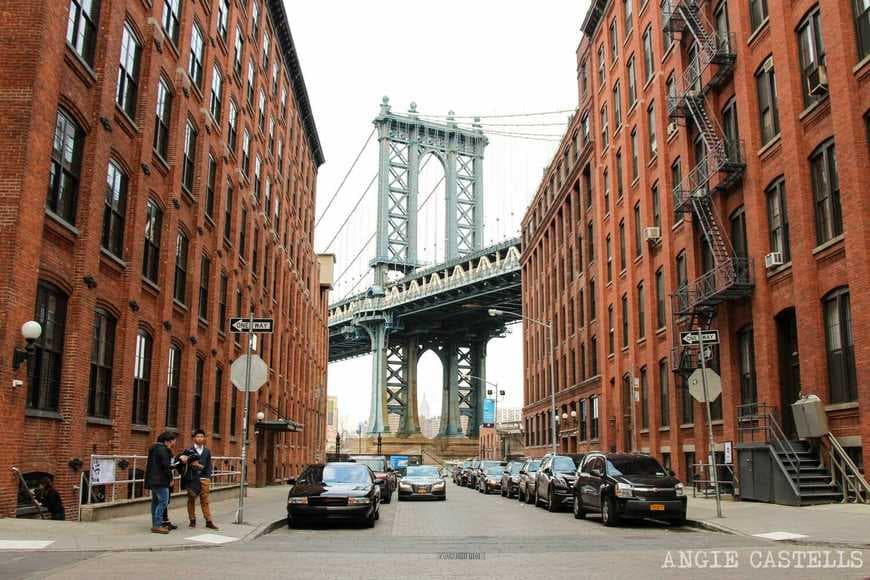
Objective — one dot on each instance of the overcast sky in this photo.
(476, 57)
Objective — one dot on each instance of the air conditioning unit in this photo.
(652, 234)
(773, 259)
(817, 81)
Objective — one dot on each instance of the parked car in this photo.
(459, 470)
(481, 470)
(628, 485)
(469, 475)
(384, 473)
(554, 481)
(510, 479)
(423, 482)
(334, 490)
(526, 485)
(489, 478)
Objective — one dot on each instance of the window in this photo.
(614, 42)
(172, 19)
(255, 19)
(261, 109)
(204, 283)
(81, 28)
(638, 243)
(593, 311)
(811, 49)
(593, 424)
(625, 315)
(757, 13)
(862, 27)
(644, 399)
(275, 69)
(232, 127)
(777, 218)
(731, 131)
(664, 394)
(246, 152)
(218, 396)
(746, 352)
(606, 192)
(283, 107)
(601, 65)
(583, 419)
(738, 232)
(173, 385)
(66, 166)
(826, 190)
(676, 181)
(198, 379)
(228, 212)
(266, 43)
(271, 134)
(611, 330)
(682, 272)
(151, 254)
(765, 78)
(687, 404)
(634, 161)
(188, 167)
(180, 287)
(255, 263)
(141, 377)
(667, 35)
(609, 258)
(194, 66)
(590, 241)
(47, 363)
(223, 18)
(656, 206)
(838, 341)
(628, 12)
(249, 93)
(651, 129)
(661, 308)
(604, 131)
(233, 411)
(209, 187)
(641, 311)
(648, 67)
(620, 182)
(115, 210)
(621, 239)
(238, 51)
(161, 119)
(617, 106)
(243, 234)
(222, 302)
(127, 90)
(720, 16)
(258, 164)
(102, 352)
(217, 89)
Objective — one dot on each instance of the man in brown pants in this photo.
(197, 480)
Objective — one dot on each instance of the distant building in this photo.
(510, 414)
(331, 421)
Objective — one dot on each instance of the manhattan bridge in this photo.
(410, 306)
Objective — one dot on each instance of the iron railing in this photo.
(758, 419)
(844, 473)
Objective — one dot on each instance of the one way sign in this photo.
(260, 325)
(695, 336)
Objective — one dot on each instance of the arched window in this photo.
(173, 385)
(45, 373)
(839, 345)
(66, 165)
(746, 354)
(127, 91)
(142, 378)
(115, 210)
(102, 356)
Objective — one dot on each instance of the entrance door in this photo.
(789, 367)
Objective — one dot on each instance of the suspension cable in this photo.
(503, 116)
(344, 179)
(351, 213)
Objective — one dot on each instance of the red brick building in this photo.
(158, 176)
(718, 182)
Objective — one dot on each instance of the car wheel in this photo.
(537, 499)
(369, 520)
(529, 497)
(608, 512)
(377, 514)
(502, 492)
(579, 512)
(551, 502)
(291, 523)
(388, 497)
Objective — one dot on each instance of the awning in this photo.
(279, 425)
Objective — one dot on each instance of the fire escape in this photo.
(711, 62)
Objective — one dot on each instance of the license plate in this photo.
(657, 507)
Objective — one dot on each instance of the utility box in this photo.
(810, 418)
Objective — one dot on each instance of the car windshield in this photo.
(346, 474)
(484, 465)
(563, 465)
(375, 464)
(515, 468)
(635, 465)
(466, 463)
(422, 471)
(533, 466)
(495, 470)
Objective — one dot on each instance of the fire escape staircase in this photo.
(718, 170)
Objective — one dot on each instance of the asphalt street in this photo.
(468, 536)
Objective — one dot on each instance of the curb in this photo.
(713, 527)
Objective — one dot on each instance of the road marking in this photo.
(212, 538)
(779, 536)
(24, 544)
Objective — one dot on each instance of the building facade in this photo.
(159, 170)
(713, 177)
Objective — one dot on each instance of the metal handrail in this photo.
(764, 415)
(851, 479)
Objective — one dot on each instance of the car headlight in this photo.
(624, 490)
(358, 501)
(438, 485)
(680, 489)
(493, 481)
(404, 486)
(560, 482)
(297, 500)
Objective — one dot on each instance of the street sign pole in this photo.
(240, 514)
(714, 475)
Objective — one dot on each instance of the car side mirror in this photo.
(291, 481)
(671, 473)
(548, 471)
(595, 472)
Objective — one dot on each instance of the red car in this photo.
(384, 474)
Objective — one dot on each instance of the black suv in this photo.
(628, 485)
(554, 483)
(510, 478)
(526, 485)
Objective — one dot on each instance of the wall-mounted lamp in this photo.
(261, 415)
(30, 330)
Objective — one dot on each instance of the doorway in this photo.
(789, 367)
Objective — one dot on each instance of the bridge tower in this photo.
(403, 141)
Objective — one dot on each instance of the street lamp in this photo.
(30, 330)
(549, 327)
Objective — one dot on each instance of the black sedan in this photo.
(510, 479)
(526, 486)
(628, 485)
(554, 483)
(334, 490)
(459, 472)
(422, 482)
(489, 477)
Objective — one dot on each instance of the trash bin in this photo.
(810, 417)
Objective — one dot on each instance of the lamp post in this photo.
(359, 431)
(549, 327)
(30, 331)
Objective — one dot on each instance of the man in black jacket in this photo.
(158, 478)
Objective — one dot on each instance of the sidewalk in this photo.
(837, 525)
(265, 509)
